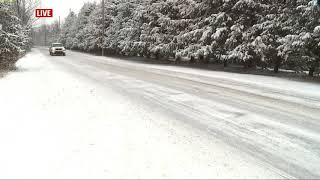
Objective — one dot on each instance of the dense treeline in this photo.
(15, 30)
(263, 33)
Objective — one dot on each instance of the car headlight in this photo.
(63, 49)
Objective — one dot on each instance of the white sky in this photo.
(61, 7)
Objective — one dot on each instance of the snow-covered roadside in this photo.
(57, 125)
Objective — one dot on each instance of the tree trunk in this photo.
(225, 63)
(314, 67)
(192, 59)
(277, 65)
(311, 71)
(276, 68)
(264, 65)
(252, 63)
(178, 59)
(157, 55)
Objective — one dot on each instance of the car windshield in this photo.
(57, 45)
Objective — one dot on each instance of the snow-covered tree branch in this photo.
(253, 33)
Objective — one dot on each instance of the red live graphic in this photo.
(44, 13)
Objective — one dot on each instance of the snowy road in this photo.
(83, 116)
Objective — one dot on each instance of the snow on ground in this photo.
(55, 124)
(281, 134)
(298, 92)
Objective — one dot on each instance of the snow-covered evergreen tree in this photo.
(265, 33)
(300, 48)
(14, 38)
(67, 34)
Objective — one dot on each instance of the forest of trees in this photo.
(251, 33)
(15, 30)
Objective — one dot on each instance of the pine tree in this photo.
(14, 38)
(300, 48)
(255, 33)
(67, 36)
